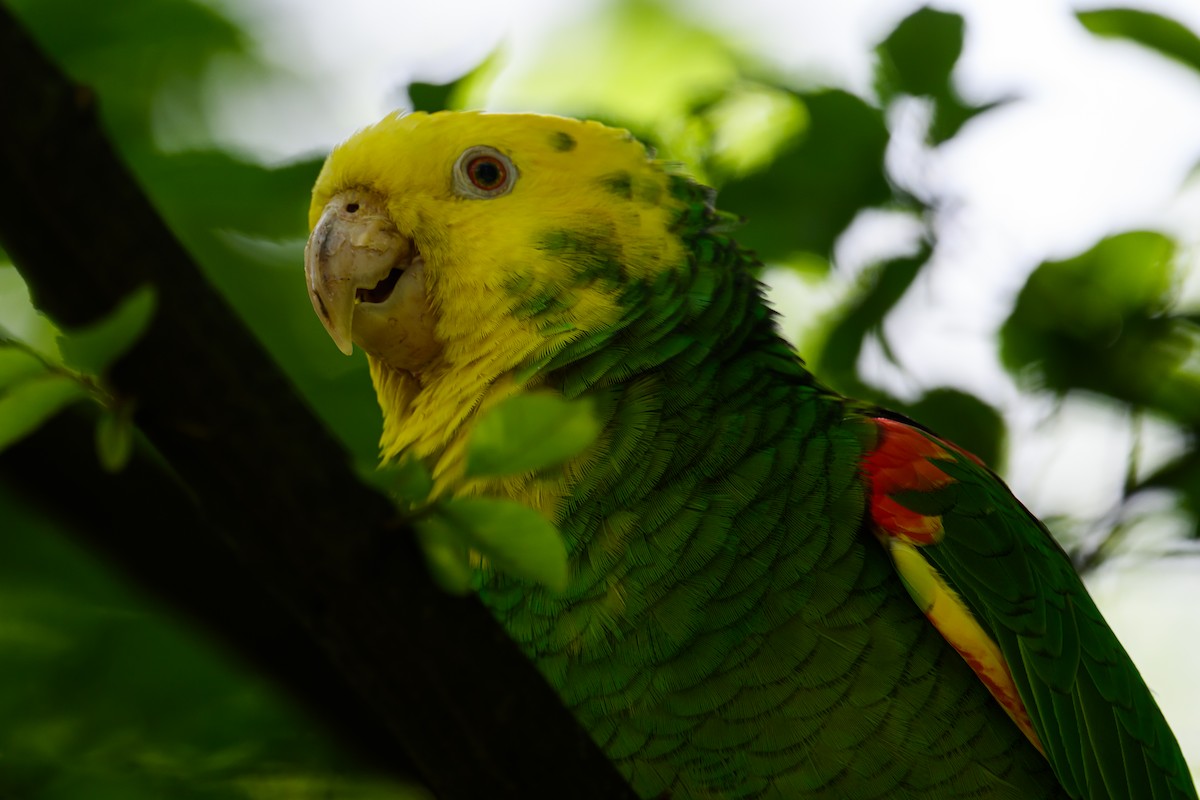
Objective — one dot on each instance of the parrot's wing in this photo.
(989, 576)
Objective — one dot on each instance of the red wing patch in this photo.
(901, 462)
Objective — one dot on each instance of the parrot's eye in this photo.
(483, 172)
(486, 172)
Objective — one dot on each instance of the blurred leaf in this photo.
(1167, 36)
(1092, 295)
(114, 437)
(209, 191)
(94, 348)
(652, 61)
(919, 55)
(817, 185)
(409, 479)
(748, 123)
(837, 360)
(25, 406)
(963, 419)
(918, 59)
(136, 39)
(529, 432)
(20, 320)
(106, 695)
(513, 538)
(434, 97)
(447, 551)
(1101, 322)
(129, 50)
(1181, 475)
(430, 97)
(17, 365)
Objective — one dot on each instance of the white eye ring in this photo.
(483, 172)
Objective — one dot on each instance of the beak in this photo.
(354, 255)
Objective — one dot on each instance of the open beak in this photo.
(355, 254)
(366, 281)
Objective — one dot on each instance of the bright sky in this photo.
(1017, 187)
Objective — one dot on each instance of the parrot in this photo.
(774, 591)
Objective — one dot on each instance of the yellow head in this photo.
(459, 248)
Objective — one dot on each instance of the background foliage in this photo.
(105, 693)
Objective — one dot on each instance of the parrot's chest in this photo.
(731, 629)
(716, 661)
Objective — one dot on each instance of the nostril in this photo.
(351, 208)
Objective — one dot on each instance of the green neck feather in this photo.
(693, 387)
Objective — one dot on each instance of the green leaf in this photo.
(409, 480)
(27, 405)
(106, 696)
(1091, 297)
(837, 360)
(114, 437)
(919, 55)
(217, 191)
(446, 552)
(17, 365)
(92, 349)
(1101, 322)
(805, 199)
(530, 432)
(515, 539)
(963, 419)
(432, 97)
(918, 59)
(1171, 38)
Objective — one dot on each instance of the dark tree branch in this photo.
(148, 526)
(456, 693)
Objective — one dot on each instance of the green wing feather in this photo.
(731, 630)
(1101, 728)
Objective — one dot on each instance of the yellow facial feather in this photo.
(580, 189)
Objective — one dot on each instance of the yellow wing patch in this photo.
(945, 609)
(901, 461)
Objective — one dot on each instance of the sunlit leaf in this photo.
(92, 349)
(17, 365)
(530, 432)
(751, 123)
(654, 61)
(513, 538)
(26, 405)
(1167, 36)
(20, 320)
